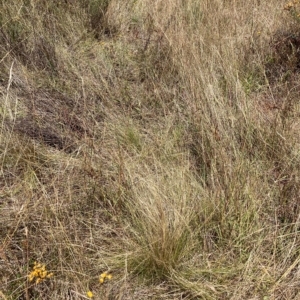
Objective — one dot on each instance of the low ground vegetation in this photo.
(149, 149)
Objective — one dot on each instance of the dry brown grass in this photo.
(157, 140)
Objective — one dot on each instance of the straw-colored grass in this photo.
(149, 149)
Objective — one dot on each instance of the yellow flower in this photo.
(31, 277)
(43, 274)
(104, 276)
(39, 273)
(90, 294)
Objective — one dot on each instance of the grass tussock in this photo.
(149, 150)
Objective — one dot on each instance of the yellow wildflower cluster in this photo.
(104, 276)
(39, 273)
(291, 5)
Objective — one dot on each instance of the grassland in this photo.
(157, 141)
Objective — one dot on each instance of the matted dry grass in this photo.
(153, 140)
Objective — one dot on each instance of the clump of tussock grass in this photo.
(164, 237)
